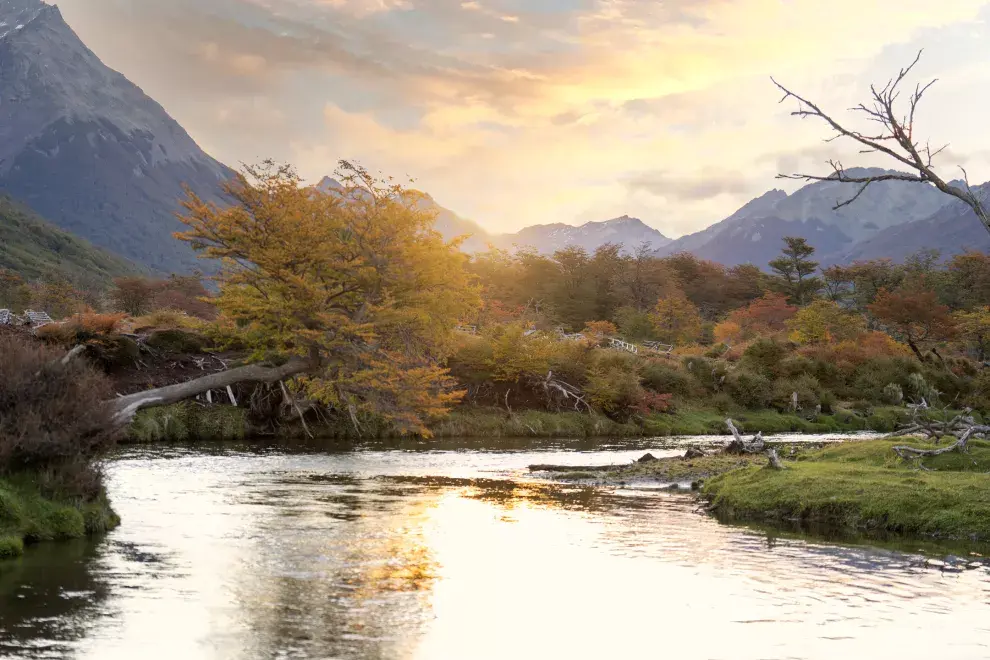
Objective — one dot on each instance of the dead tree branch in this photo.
(126, 407)
(895, 139)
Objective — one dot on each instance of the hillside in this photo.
(31, 247)
(87, 149)
(547, 239)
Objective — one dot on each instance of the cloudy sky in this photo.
(516, 112)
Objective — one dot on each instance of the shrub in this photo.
(764, 356)
(872, 376)
(613, 386)
(52, 415)
(176, 341)
(806, 387)
(167, 319)
(893, 394)
(668, 380)
(723, 402)
(750, 389)
(710, 373)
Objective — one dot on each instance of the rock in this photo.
(647, 458)
(693, 452)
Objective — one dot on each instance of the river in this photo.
(451, 550)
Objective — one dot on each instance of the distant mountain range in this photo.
(753, 233)
(89, 151)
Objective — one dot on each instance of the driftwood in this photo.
(755, 445)
(962, 427)
(126, 407)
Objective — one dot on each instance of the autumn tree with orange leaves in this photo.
(912, 314)
(354, 293)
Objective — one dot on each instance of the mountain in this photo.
(31, 247)
(951, 230)
(87, 149)
(547, 239)
(753, 233)
(448, 223)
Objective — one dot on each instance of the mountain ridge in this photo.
(88, 150)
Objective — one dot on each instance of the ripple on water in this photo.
(383, 553)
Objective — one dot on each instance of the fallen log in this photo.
(126, 407)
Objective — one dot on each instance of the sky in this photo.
(521, 112)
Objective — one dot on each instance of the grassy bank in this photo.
(29, 516)
(190, 421)
(865, 486)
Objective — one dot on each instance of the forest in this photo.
(416, 329)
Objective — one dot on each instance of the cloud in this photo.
(514, 112)
(698, 186)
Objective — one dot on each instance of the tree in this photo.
(354, 292)
(676, 319)
(795, 271)
(824, 322)
(895, 138)
(974, 329)
(134, 295)
(912, 314)
(766, 315)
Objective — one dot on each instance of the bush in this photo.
(710, 373)
(613, 384)
(668, 380)
(752, 390)
(893, 394)
(764, 356)
(872, 376)
(176, 341)
(52, 416)
(807, 388)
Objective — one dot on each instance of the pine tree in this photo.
(795, 271)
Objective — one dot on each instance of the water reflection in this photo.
(458, 554)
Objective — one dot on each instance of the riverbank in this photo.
(27, 515)
(866, 486)
(192, 421)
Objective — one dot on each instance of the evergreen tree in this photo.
(795, 271)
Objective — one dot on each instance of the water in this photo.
(385, 552)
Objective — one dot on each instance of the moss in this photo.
(864, 485)
(29, 516)
(187, 421)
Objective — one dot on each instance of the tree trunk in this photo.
(914, 347)
(127, 406)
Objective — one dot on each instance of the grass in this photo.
(188, 421)
(864, 485)
(28, 516)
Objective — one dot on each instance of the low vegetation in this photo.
(865, 485)
(54, 428)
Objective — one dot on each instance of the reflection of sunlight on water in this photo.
(549, 585)
(447, 556)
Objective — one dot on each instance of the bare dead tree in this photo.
(895, 137)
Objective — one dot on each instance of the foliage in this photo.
(676, 319)
(666, 379)
(765, 316)
(33, 249)
(613, 385)
(974, 329)
(795, 270)
(751, 389)
(824, 322)
(358, 283)
(52, 415)
(913, 314)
